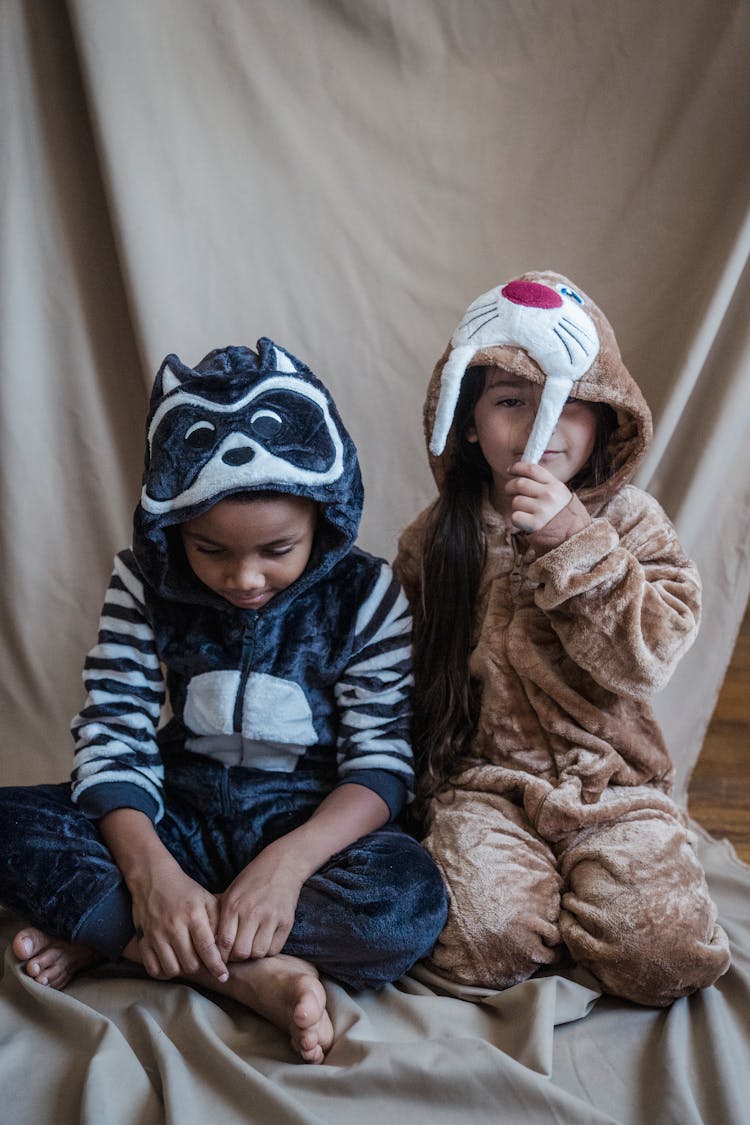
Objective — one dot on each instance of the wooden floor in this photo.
(719, 794)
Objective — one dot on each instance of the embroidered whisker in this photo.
(480, 312)
(564, 343)
(580, 343)
(578, 327)
(487, 321)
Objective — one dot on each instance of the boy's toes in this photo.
(311, 1055)
(49, 960)
(56, 976)
(28, 942)
(47, 967)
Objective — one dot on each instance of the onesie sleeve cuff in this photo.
(99, 800)
(567, 523)
(387, 785)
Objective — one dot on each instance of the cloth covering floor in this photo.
(116, 1048)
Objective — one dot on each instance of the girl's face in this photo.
(504, 415)
(249, 551)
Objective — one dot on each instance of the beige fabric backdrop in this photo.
(345, 176)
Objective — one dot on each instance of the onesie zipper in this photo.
(248, 650)
(517, 576)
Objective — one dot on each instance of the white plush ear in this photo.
(451, 378)
(555, 393)
(283, 362)
(168, 380)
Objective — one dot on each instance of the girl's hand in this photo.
(537, 496)
(257, 909)
(175, 920)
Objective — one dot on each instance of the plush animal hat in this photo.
(543, 327)
(241, 421)
(238, 421)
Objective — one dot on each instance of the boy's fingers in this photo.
(151, 963)
(262, 940)
(146, 954)
(279, 941)
(160, 963)
(205, 946)
(244, 941)
(226, 934)
(283, 931)
(170, 962)
(213, 912)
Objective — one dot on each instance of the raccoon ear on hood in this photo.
(274, 358)
(542, 327)
(170, 375)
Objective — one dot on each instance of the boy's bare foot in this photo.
(50, 960)
(286, 991)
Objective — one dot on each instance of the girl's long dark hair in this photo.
(446, 698)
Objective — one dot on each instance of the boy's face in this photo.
(248, 551)
(503, 418)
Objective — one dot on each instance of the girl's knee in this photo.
(648, 969)
(504, 893)
(502, 923)
(497, 950)
(637, 913)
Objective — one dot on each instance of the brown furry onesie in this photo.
(559, 832)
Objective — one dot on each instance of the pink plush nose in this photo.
(532, 294)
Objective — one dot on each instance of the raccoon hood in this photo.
(543, 327)
(241, 421)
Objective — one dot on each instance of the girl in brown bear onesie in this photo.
(551, 599)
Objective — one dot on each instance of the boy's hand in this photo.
(257, 908)
(176, 919)
(537, 496)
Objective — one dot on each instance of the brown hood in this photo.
(606, 379)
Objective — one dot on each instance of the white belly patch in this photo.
(277, 723)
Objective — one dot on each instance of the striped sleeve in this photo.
(374, 692)
(117, 762)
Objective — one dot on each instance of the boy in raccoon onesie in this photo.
(551, 599)
(250, 841)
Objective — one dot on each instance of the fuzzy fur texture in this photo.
(560, 832)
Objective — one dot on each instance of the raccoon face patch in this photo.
(280, 432)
